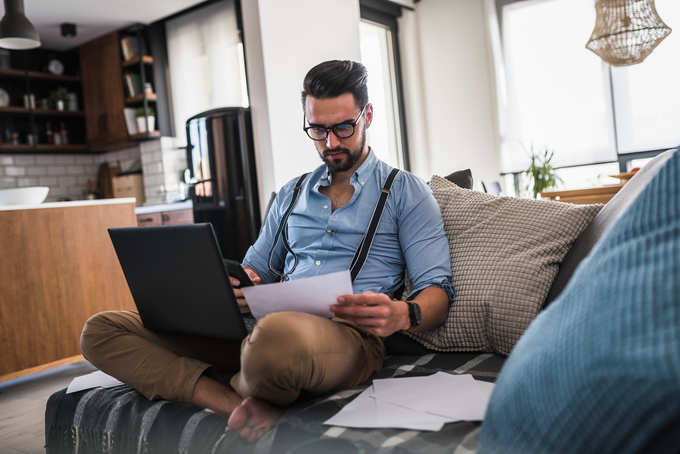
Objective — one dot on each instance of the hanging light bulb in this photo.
(626, 31)
(16, 31)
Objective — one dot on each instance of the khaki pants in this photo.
(285, 354)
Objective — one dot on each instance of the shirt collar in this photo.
(362, 172)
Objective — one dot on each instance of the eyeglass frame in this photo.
(353, 123)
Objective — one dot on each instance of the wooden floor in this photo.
(22, 407)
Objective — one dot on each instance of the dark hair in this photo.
(334, 78)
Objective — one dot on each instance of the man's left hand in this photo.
(373, 312)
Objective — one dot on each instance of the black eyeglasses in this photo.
(341, 130)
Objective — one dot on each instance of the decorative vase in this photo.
(60, 104)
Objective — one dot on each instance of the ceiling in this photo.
(94, 18)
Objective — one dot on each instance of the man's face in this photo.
(337, 153)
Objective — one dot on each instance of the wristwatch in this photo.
(414, 315)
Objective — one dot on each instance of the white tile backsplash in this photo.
(67, 174)
(24, 160)
(15, 171)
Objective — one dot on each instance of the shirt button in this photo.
(318, 263)
(325, 207)
(329, 230)
(362, 182)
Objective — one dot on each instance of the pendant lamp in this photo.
(16, 31)
(626, 31)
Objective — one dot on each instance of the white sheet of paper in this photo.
(368, 412)
(92, 380)
(313, 295)
(455, 397)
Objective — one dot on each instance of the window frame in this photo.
(386, 13)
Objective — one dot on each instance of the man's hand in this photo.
(373, 312)
(236, 284)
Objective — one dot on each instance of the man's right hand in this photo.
(236, 284)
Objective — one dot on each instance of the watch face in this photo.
(55, 66)
(4, 98)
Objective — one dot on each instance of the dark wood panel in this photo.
(58, 269)
(149, 219)
(177, 217)
(103, 92)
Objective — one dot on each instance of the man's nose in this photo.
(332, 140)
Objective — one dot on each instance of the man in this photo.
(287, 353)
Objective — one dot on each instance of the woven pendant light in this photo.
(626, 31)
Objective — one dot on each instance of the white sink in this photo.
(33, 195)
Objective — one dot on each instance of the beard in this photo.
(341, 159)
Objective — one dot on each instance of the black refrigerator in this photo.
(223, 181)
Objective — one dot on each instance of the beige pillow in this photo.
(505, 253)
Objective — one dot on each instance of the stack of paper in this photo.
(92, 380)
(418, 403)
(313, 295)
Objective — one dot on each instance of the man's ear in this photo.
(369, 114)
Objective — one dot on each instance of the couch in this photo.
(118, 420)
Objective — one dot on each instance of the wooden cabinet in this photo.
(58, 268)
(149, 219)
(175, 217)
(103, 92)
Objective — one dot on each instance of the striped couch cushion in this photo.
(121, 421)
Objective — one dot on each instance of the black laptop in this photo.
(178, 280)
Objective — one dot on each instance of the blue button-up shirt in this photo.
(410, 232)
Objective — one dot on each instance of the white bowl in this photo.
(33, 195)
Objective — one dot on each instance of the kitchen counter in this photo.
(146, 209)
(76, 203)
(58, 268)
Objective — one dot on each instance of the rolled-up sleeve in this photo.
(423, 242)
(257, 256)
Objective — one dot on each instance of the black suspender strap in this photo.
(367, 241)
(283, 228)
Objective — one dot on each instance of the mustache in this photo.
(330, 151)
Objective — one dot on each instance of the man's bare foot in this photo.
(253, 418)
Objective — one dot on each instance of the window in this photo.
(557, 91)
(563, 97)
(205, 61)
(379, 53)
(647, 96)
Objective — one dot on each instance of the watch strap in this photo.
(414, 315)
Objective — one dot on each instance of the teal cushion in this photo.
(599, 370)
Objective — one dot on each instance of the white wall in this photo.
(450, 89)
(283, 40)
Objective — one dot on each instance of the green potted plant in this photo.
(542, 175)
(59, 97)
(145, 116)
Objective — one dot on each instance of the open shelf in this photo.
(7, 72)
(146, 59)
(144, 135)
(14, 110)
(37, 75)
(43, 147)
(140, 97)
(49, 76)
(47, 112)
(16, 147)
(68, 147)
